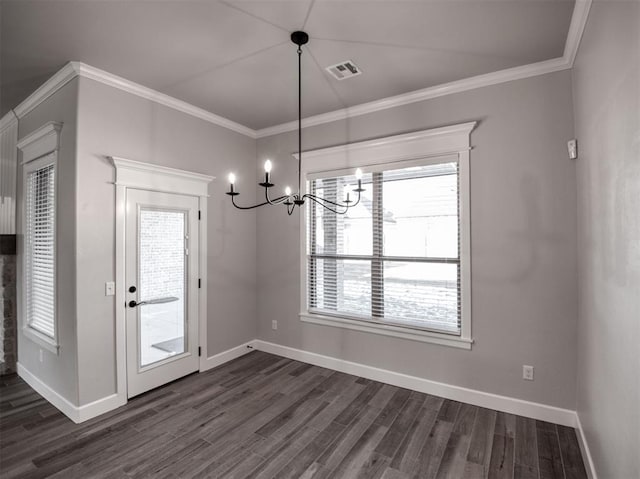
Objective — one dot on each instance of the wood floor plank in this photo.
(408, 454)
(313, 422)
(570, 452)
(428, 462)
(362, 460)
(336, 451)
(502, 454)
(399, 428)
(448, 411)
(453, 461)
(505, 424)
(549, 457)
(481, 443)
(351, 411)
(304, 463)
(526, 451)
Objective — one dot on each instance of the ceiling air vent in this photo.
(344, 70)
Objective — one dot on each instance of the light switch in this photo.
(109, 288)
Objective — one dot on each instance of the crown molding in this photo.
(87, 71)
(9, 119)
(459, 86)
(73, 69)
(48, 88)
(576, 29)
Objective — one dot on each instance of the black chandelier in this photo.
(289, 200)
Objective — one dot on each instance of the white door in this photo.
(161, 259)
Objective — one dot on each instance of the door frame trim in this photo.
(146, 176)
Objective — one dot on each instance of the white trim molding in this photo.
(585, 451)
(388, 330)
(445, 144)
(40, 142)
(458, 86)
(225, 356)
(506, 404)
(576, 29)
(419, 144)
(147, 176)
(48, 88)
(87, 71)
(9, 119)
(77, 414)
(565, 62)
(8, 172)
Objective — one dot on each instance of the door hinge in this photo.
(199, 351)
(199, 283)
(199, 214)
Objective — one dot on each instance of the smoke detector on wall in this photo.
(344, 70)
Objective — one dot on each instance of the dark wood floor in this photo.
(265, 416)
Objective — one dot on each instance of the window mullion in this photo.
(330, 227)
(377, 272)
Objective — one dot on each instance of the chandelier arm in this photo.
(277, 201)
(247, 207)
(317, 200)
(290, 208)
(342, 205)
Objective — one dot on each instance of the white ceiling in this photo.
(234, 58)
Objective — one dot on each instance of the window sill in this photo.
(388, 330)
(41, 340)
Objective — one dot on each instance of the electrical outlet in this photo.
(109, 288)
(274, 324)
(527, 373)
(41, 356)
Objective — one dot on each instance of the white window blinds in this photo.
(40, 247)
(393, 258)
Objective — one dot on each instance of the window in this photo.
(37, 271)
(39, 246)
(397, 263)
(393, 258)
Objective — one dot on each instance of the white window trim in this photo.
(399, 150)
(36, 149)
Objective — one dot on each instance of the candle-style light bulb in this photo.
(358, 174)
(232, 180)
(287, 191)
(267, 166)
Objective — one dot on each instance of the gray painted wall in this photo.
(606, 81)
(113, 122)
(59, 372)
(523, 214)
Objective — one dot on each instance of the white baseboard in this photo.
(225, 356)
(67, 408)
(100, 406)
(584, 449)
(77, 414)
(520, 407)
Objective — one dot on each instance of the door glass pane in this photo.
(162, 279)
